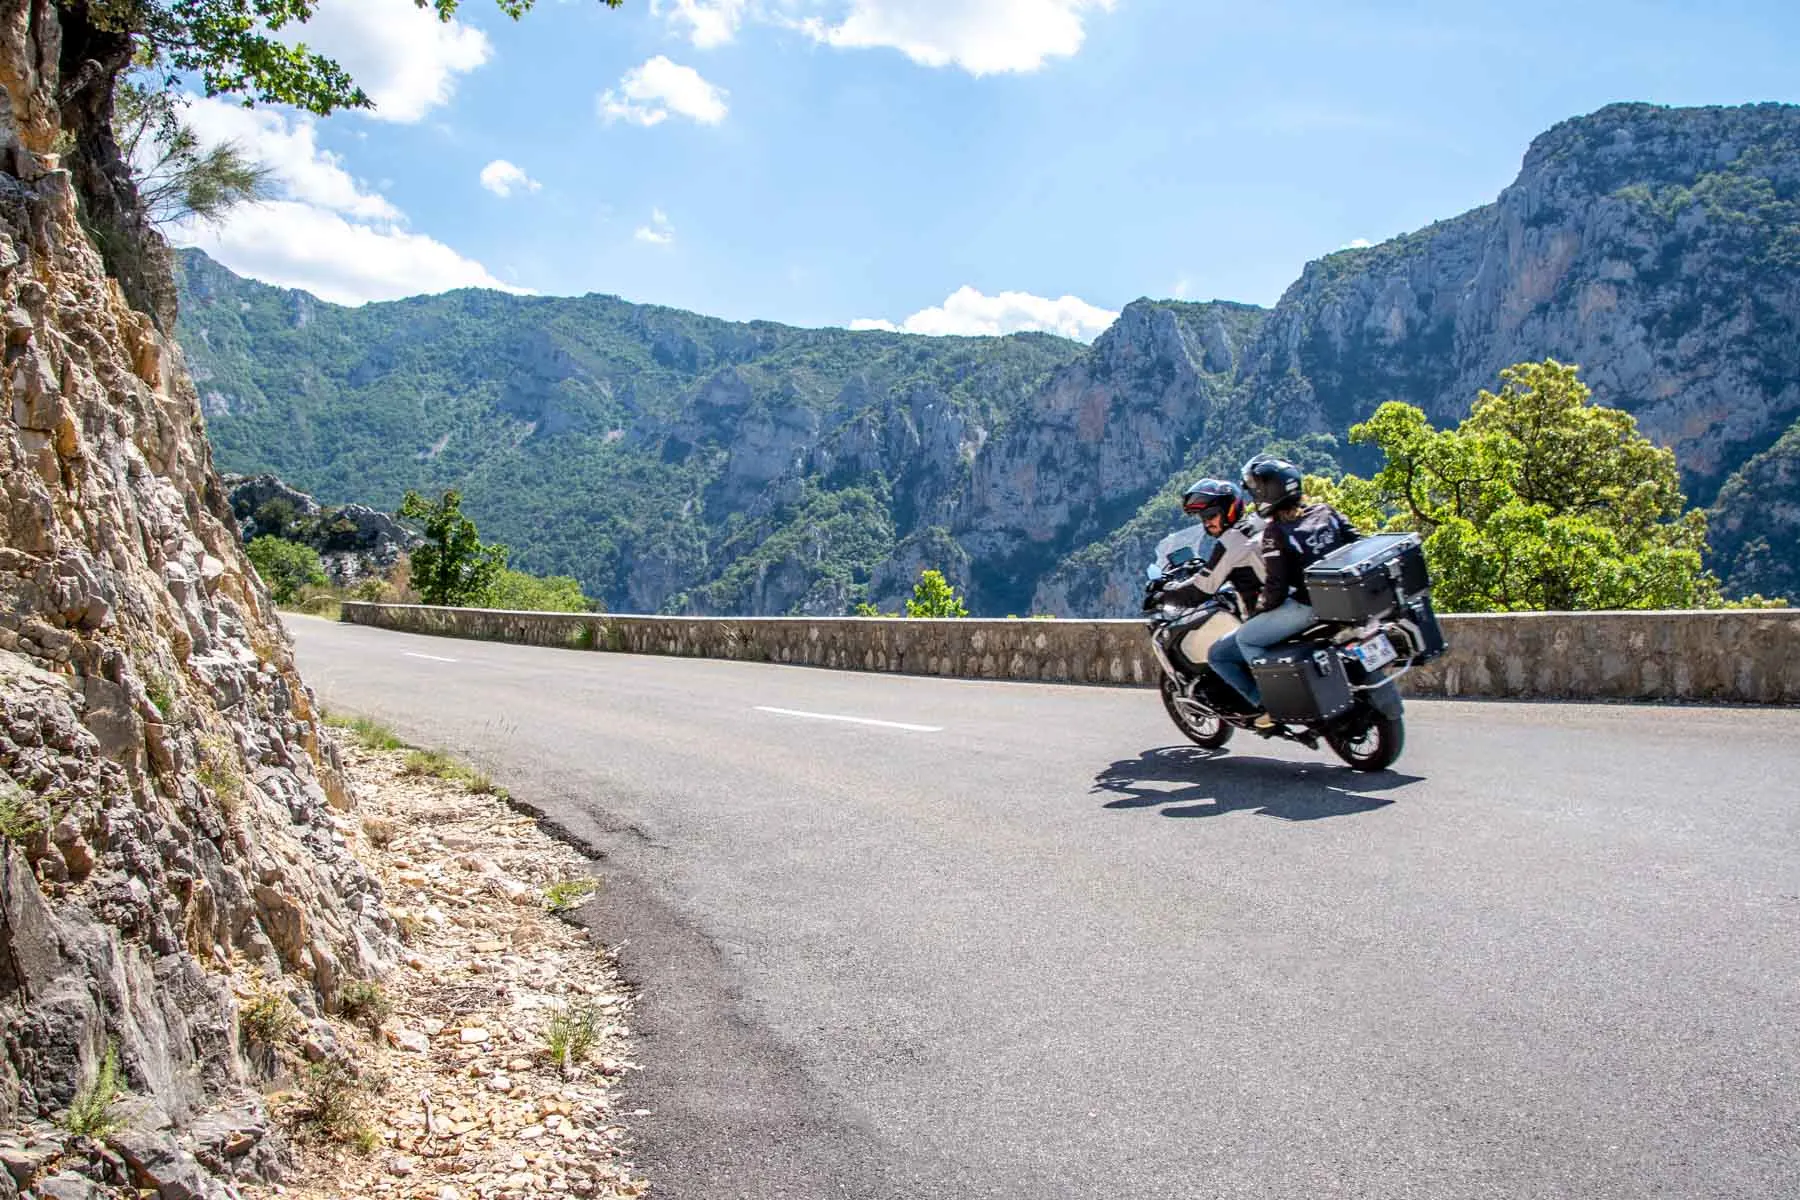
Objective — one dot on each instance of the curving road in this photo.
(1001, 940)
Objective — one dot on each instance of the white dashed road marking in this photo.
(813, 716)
(432, 657)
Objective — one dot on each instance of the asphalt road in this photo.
(1021, 942)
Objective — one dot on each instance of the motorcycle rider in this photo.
(1236, 557)
(1298, 534)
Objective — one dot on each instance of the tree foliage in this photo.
(1538, 500)
(236, 47)
(453, 567)
(175, 177)
(934, 597)
(517, 591)
(286, 567)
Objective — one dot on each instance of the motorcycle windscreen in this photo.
(1192, 538)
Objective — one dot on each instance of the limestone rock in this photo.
(167, 752)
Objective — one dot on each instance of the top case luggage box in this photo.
(1366, 579)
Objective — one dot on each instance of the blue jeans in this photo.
(1230, 656)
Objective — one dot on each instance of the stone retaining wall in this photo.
(1745, 657)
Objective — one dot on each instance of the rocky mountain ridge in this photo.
(679, 464)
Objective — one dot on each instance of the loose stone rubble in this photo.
(453, 1093)
(463, 1095)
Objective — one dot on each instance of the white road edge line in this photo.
(432, 657)
(813, 716)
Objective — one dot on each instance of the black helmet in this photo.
(1213, 497)
(1273, 482)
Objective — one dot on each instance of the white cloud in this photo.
(983, 37)
(968, 311)
(1356, 244)
(649, 93)
(503, 179)
(401, 54)
(302, 170)
(303, 246)
(708, 23)
(658, 232)
(325, 232)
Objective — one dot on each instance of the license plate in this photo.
(1375, 652)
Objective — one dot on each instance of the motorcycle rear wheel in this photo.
(1209, 732)
(1375, 747)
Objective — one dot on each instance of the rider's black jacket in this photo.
(1289, 547)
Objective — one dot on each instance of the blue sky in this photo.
(954, 165)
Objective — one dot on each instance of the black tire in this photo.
(1211, 733)
(1372, 745)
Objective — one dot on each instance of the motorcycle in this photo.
(1334, 683)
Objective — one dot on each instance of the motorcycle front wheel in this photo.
(1372, 745)
(1209, 732)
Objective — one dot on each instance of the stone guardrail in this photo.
(1746, 656)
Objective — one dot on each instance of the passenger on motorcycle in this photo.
(1297, 535)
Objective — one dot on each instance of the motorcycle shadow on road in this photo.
(1178, 776)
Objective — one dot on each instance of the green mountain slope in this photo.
(653, 454)
(671, 461)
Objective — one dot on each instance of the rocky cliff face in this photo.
(166, 796)
(354, 542)
(1755, 524)
(1658, 248)
(1093, 445)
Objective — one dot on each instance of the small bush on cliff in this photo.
(19, 817)
(366, 1003)
(268, 1018)
(334, 1099)
(177, 177)
(1539, 500)
(91, 1114)
(287, 568)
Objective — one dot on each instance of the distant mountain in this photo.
(668, 461)
(675, 462)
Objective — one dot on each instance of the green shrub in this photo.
(365, 1002)
(572, 1034)
(269, 1018)
(368, 733)
(334, 1100)
(934, 597)
(19, 818)
(91, 1113)
(567, 894)
(286, 567)
(521, 592)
